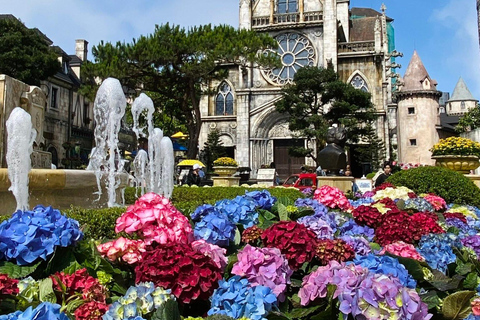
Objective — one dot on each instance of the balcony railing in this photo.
(360, 46)
(287, 18)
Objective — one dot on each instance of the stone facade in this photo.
(310, 32)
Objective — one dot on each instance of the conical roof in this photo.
(416, 75)
(461, 92)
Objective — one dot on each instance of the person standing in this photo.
(387, 171)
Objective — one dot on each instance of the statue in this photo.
(333, 157)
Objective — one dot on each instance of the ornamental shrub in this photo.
(450, 185)
(97, 223)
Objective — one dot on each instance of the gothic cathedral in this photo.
(359, 42)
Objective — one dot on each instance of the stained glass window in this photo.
(359, 83)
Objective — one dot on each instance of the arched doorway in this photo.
(54, 153)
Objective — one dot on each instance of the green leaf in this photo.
(167, 311)
(431, 299)
(302, 212)
(375, 246)
(471, 281)
(276, 315)
(457, 305)
(73, 305)
(17, 272)
(298, 313)
(74, 266)
(286, 201)
(46, 293)
(282, 212)
(463, 268)
(413, 266)
(267, 214)
(444, 283)
(61, 259)
(238, 237)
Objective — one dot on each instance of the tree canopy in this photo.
(318, 99)
(25, 53)
(178, 64)
(469, 121)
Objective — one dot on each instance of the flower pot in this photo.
(461, 164)
(224, 171)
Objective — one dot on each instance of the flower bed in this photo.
(390, 254)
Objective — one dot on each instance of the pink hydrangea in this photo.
(332, 197)
(216, 253)
(155, 219)
(264, 266)
(127, 250)
(437, 202)
(402, 249)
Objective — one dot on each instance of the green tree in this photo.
(469, 121)
(318, 99)
(213, 149)
(25, 53)
(371, 149)
(179, 64)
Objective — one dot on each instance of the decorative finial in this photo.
(383, 8)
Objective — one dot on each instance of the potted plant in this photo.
(457, 153)
(244, 173)
(225, 166)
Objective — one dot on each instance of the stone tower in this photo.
(461, 100)
(417, 114)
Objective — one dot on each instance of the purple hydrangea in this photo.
(363, 294)
(386, 265)
(457, 223)
(351, 228)
(472, 242)
(320, 211)
(360, 245)
(264, 266)
(321, 228)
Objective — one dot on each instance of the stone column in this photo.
(330, 33)
(301, 9)
(245, 17)
(243, 130)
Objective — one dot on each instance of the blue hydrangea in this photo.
(236, 299)
(361, 202)
(437, 249)
(29, 235)
(388, 266)
(201, 212)
(351, 228)
(44, 311)
(472, 317)
(263, 199)
(215, 228)
(418, 204)
(239, 210)
(138, 300)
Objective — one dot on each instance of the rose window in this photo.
(295, 51)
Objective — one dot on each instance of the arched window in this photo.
(286, 6)
(224, 101)
(359, 83)
(54, 153)
(462, 105)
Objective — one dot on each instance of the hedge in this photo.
(450, 185)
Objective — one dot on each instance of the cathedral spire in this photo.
(416, 77)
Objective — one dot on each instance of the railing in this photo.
(360, 46)
(287, 18)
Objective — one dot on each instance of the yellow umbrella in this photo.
(127, 153)
(179, 135)
(190, 162)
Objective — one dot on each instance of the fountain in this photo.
(160, 160)
(21, 136)
(108, 111)
(140, 170)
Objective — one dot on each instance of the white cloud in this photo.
(461, 53)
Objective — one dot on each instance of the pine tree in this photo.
(213, 149)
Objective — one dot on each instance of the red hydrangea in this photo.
(424, 223)
(390, 204)
(367, 215)
(295, 241)
(251, 235)
(155, 219)
(190, 274)
(384, 186)
(80, 282)
(412, 195)
(338, 250)
(456, 215)
(92, 310)
(395, 226)
(8, 285)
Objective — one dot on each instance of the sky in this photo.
(444, 32)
